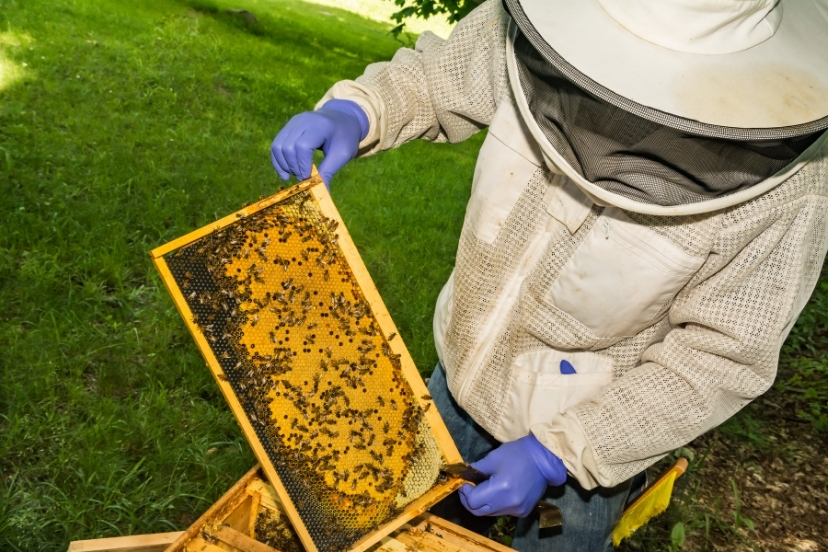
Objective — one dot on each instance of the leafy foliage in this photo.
(455, 9)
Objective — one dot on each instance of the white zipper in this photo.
(512, 292)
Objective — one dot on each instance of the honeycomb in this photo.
(272, 530)
(299, 344)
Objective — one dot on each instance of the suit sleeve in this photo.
(727, 329)
(442, 90)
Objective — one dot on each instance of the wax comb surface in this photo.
(292, 327)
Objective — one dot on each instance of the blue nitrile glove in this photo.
(519, 472)
(336, 128)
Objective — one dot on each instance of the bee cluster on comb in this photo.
(299, 347)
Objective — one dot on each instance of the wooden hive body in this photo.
(249, 518)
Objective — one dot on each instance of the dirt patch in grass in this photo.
(759, 482)
(781, 483)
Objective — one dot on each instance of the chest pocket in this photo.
(621, 277)
(507, 161)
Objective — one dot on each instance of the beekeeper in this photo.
(648, 217)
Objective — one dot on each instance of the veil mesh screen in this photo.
(296, 339)
(637, 158)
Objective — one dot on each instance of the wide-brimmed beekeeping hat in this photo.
(749, 70)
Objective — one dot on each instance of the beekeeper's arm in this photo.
(729, 324)
(442, 90)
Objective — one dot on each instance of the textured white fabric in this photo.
(707, 27)
(780, 82)
(709, 344)
(615, 197)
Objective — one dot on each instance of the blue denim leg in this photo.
(589, 516)
(588, 520)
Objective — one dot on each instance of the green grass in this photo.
(382, 10)
(124, 125)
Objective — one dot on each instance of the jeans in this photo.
(588, 516)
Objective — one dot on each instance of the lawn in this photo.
(126, 124)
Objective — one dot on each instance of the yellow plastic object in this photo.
(651, 503)
(289, 322)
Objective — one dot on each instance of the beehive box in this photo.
(281, 306)
(250, 518)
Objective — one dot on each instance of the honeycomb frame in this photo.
(430, 426)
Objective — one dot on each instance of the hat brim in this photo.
(780, 83)
(600, 196)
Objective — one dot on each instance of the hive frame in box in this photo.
(318, 192)
(252, 496)
(236, 511)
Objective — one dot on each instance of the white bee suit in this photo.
(673, 318)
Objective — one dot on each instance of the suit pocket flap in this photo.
(621, 276)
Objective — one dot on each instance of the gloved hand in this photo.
(519, 472)
(336, 128)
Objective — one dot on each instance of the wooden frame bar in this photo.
(157, 542)
(319, 193)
